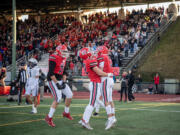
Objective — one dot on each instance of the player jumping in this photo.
(104, 63)
(57, 62)
(94, 74)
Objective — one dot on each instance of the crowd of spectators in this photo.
(120, 36)
(30, 33)
(126, 35)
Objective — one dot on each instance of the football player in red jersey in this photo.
(104, 63)
(94, 74)
(57, 62)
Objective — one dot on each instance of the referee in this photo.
(21, 79)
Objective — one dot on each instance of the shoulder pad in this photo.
(53, 57)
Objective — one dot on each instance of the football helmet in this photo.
(102, 50)
(62, 51)
(85, 53)
(32, 62)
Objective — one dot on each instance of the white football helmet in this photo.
(33, 60)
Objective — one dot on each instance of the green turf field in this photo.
(138, 118)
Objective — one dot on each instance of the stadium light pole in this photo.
(13, 71)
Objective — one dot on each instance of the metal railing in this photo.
(26, 58)
(20, 60)
(149, 45)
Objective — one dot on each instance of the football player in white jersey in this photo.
(32, 84)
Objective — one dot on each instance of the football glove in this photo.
(62, 86)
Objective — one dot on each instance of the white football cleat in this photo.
(106, 123)
(80, 122)
(115, 120)
(34, 111)
(109, 124)
(86, 125)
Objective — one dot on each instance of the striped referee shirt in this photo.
(22, 76)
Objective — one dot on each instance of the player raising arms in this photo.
(104, 63)
(94, 74)
(57, 62)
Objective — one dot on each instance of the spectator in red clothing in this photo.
(71, 66)
(156, 82)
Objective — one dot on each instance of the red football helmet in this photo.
(85, 53)
(62, 50)
(102, 50)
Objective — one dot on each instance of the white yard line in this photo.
(14, 107)
(120, 109)
(146, 109)
(155, 110)
(42, 105)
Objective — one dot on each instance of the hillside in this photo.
(165, 56)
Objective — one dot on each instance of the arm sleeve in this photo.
(100, 59)
(93, 64)
(52, 66)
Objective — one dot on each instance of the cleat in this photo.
(67, 115)
(86, 125)
(80, 122)
(34, 111)
(95, 114)
(49, 121)
(106, 122)
(109, 124)
(27, 103)
(114, 121)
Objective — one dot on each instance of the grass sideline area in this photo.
(165, 56)
(136, 118)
